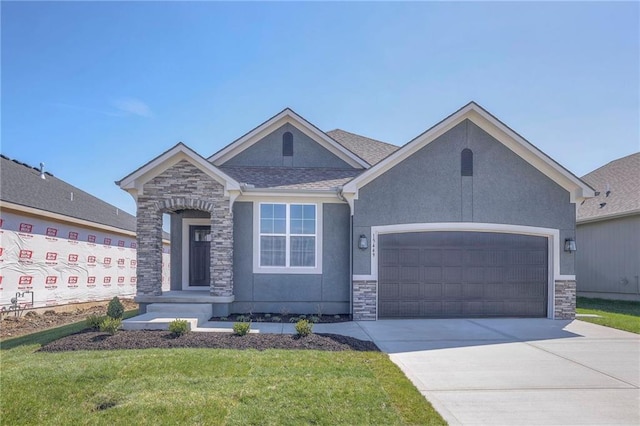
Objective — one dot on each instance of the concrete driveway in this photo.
(518, 371)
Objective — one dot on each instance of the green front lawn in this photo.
(205, 386)
(623, 315)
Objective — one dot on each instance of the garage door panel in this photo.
(462, 274)
(410, 274)
(432, 274)
(432, 291)
(431, 257)
(452, 275)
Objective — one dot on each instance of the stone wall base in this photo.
(365, 300)
(565, 300)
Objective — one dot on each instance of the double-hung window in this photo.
(288, 237)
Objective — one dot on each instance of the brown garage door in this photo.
(462, 274)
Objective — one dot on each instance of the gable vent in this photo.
(287, 144)
(466, 162)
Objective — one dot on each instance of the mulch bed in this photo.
(146, 339)
(283, 318)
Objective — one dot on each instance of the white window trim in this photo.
(185, 251)
(258, 269)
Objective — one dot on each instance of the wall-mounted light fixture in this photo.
(363, 244)
(569, 245)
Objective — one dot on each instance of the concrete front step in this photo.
(160, 315)
(192, 308)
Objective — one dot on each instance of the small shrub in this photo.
(178, 327)
(276, 319)
(31, 314)
(260, 319)
(319, 310)
(115, 309)
(267, 315)
(336, 316)
(93, 322)
(110, 325)
(242, 318)
(304, 327)
(241, 328)
(302, 317)
(223, 318)
(294, 319)
(314, 319)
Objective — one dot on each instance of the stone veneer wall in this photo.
(183, 186)
(565, 300)
(364, 300)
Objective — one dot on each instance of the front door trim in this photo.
(185, 250)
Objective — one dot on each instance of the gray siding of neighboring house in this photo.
(176, 244)
(268, 152)
(299, 293)
(428, 187)
(608, 258)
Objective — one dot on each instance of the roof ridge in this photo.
(361, 136)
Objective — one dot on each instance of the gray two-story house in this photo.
(468, 219)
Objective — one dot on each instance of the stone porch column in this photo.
(149, 250)
(221, 251)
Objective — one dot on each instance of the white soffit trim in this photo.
(497, 130)
(269, 126)
(138, 178)
(607, 217)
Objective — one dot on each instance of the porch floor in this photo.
(175, 296)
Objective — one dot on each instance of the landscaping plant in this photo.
(241, 328)
(115, 309)
(93, 322)
(178, 327)
(304, 327)
(110, 325)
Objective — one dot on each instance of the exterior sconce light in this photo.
(569, 245)
(363, 244)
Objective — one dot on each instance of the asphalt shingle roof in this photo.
(371, 150)
(21, 184)
(621, 178)
(291, 177)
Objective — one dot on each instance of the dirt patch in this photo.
(146, 339)
(32, 322)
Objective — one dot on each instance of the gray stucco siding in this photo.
(300, 293)
(428, 187)
(268, 152)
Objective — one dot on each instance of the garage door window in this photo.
(288, 235)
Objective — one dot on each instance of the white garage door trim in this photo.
(552, 235)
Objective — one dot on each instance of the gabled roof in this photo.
(618, 184)
(287, 116)
(494, 127)
(300, 178)
(22, 185)
(371, 150)
(134, 182)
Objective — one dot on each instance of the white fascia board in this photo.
(136, 180)
(576, 188)
(290, 117)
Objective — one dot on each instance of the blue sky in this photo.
(95, 90)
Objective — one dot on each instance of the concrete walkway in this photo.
(506, 371)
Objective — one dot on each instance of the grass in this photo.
(620, 314)
(204, 386)
(46, 336)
